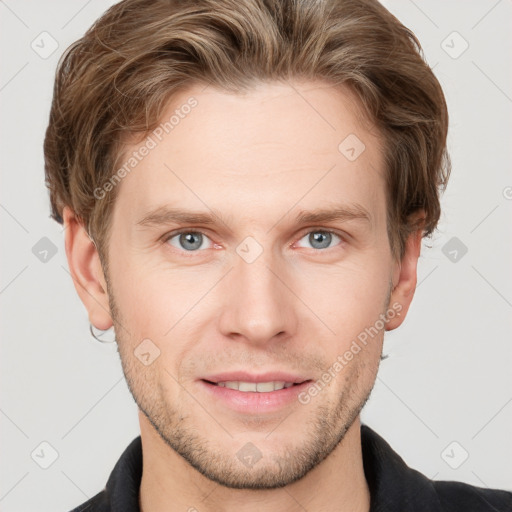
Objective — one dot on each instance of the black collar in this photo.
(394, 487)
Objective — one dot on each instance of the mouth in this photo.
(248, 393)
(254, 387)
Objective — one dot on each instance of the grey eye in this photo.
(188, 241)
(320, 239)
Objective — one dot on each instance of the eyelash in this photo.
(173, 234)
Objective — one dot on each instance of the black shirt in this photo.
(394, 487)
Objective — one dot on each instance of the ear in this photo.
(86, 271)
(405, 276)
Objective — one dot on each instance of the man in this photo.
(245, 186)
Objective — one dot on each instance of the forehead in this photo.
(254, 153)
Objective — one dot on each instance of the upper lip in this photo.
(242, 376)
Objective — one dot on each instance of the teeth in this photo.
(259, 387)
(247, 386)
(265, 387)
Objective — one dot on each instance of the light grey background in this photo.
(448, 376)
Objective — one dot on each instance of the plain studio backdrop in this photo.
(443, 397)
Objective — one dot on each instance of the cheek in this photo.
(348, 297)
(154, 301)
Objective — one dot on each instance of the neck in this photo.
(170, 484)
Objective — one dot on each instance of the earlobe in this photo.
(405, 280)
(86, 271)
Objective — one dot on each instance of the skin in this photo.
(258, 159)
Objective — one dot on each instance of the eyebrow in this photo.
(166, 215)
(339, 213)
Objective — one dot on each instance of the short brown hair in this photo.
(116, 80)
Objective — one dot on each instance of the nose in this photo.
(258, 305)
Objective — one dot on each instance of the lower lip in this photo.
(253, 401)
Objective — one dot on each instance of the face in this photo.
(248, 252)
